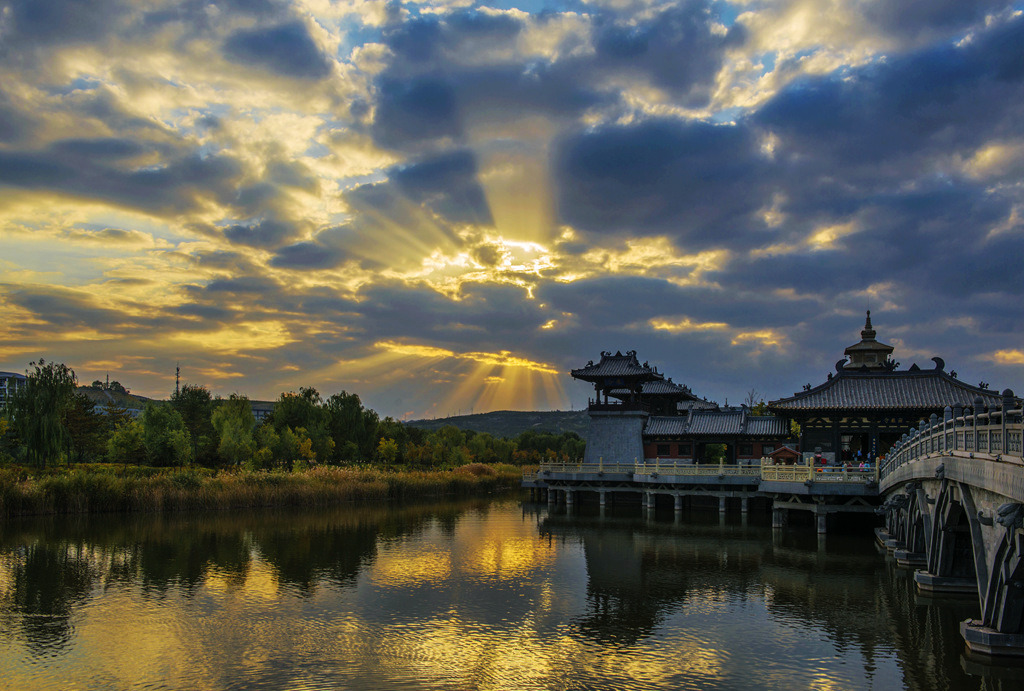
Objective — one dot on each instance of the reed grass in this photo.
(99, 489)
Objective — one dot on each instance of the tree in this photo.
(350, 422)
(387, 451)
(234, 422)
(167, 441)
(37, 410)
(305, 410)
(127, 444)
(195, 405)
(86, 428)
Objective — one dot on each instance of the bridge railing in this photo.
(805, 473)
(987, 433)
(548, 468)
(696, 470)
(766, 471)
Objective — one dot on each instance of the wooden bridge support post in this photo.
(743, 504)
(678, 503)
(779, 518)
(552, 494)
(601, 497)
(822, 523)
(721, 504)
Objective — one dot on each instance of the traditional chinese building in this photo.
(651, 418)
(862, 409)
(858, 413)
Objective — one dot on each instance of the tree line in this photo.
(49, 421)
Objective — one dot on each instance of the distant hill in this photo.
(511, 423)
(126, 400)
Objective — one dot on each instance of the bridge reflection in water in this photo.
(951, 493)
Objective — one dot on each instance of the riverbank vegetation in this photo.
(60, 453)
(96, 488)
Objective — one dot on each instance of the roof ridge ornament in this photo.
(868, 333)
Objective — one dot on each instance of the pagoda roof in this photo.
(866, 389)
(659, 387)
(617, 366)
(696, 404)
(717, 423)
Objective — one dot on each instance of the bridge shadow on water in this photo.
(645, 566)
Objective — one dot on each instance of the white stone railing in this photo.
(989, 434)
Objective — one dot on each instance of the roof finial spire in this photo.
(868, 333)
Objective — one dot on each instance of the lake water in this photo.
(472, 595)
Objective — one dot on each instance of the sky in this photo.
(444, 206)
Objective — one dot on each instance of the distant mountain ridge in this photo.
(512, 423)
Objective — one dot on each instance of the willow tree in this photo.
(38, 410)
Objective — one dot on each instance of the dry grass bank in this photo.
(98, 489)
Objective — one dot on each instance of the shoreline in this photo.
(102, 490)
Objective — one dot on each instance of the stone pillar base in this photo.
(986, 641)
(881, 536)
(893, 545)
(908, 559)
(930, 583)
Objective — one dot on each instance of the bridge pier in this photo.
(744, 504)
(822, 523)
(941, 585)
(780, 517)
(721, 504)
(678, 502)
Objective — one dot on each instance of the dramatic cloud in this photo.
(447, 205)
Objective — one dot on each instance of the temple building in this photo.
(868, 404)
(858, 413)
(652, 418)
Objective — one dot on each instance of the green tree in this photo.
(305, 410)
(234, 422)
(195, 405)
(127, 444)
(38, 409)
(116, 415)
(167, 441)
(387, 451)
(87, 429)
(349, 422)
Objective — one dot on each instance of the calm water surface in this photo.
(493, 594)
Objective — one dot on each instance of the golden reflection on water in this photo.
(463, 596)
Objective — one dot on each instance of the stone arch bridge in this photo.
(953, 492)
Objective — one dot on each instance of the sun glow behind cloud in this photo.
(288, 190)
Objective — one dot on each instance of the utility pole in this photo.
(177, 379)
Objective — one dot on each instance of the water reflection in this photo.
(466, 595)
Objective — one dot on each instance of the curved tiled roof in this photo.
(717, 423)
(890, 390)
(670, 426)
(767, 425)
(617, 366)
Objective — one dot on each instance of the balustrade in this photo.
(995, 433)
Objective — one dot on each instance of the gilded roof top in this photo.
(888, 390)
